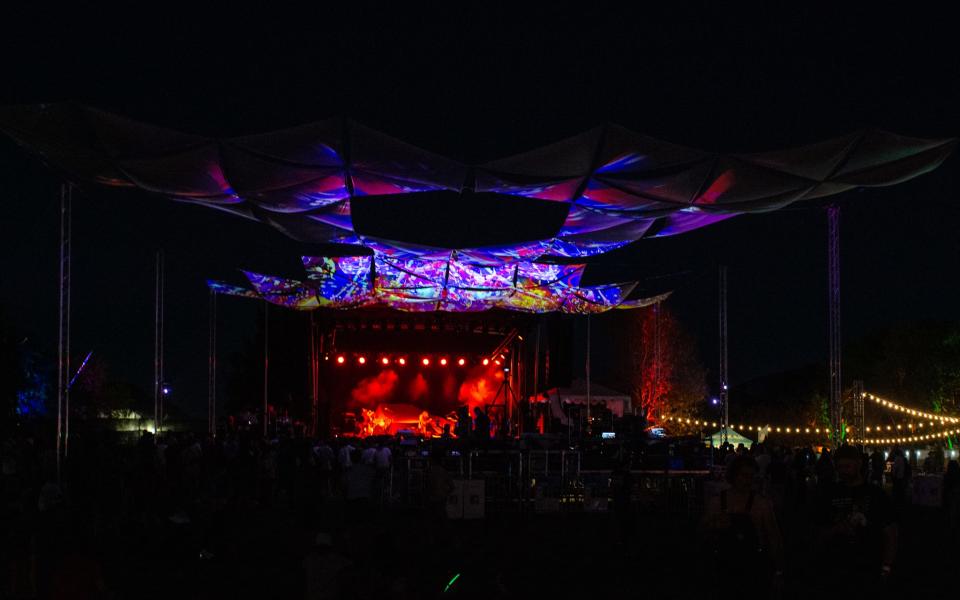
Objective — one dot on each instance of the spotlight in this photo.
(461, 362)
(486, 361)
(402, 361)
(443, 362)
(714, 401)
(426, 362)
(362, 360)
(385, 360)
(341, 360)
(496, 362)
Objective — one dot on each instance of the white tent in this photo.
(617, 402)
(732, 437)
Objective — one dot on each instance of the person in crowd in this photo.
(621, 489)
(369, 454)
(481, 428)
(323, 465)
(359, 488)
(439, 486)
(742, 528)
(951, 500)
(383, 461)
(857, 531)
(900, 474)
(763, 458)
(464, 428)
(825, 469)
(877, 466)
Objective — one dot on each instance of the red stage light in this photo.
(496, 362)
(486, 361)
(385, 360)
(402, 361)
(461, 362)
(362, 360)
(426, 362)
(443, 361)
(341, 360)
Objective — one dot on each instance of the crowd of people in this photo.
(325, 516)
(838, 500)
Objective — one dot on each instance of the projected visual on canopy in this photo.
(616, 185)
(452, 285)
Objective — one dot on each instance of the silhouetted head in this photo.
(849, 464)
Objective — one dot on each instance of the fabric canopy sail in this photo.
(436, 285)
(617, 186)
(614, 186)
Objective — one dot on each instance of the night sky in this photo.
(477, 84)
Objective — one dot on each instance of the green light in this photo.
(449, 583)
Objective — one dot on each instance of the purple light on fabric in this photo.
(688, 220)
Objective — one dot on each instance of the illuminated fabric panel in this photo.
(620, 186)
(340, 281)
(465, 275)
(644, 302)
(587, 300)
(432, 285)
(230, 290)
(283, 292)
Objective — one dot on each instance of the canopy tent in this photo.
(617, 186)
(617, 402)
(733, 437)
(441, 284)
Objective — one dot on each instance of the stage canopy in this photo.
(615, 186)
(447, 284)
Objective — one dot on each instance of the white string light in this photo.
(910, 411)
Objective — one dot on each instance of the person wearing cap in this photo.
(857, 528)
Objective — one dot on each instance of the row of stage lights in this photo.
(426, 361)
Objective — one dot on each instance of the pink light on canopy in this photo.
(618, 186)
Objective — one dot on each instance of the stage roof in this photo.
(615, 185)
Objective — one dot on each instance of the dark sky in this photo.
(476, 84)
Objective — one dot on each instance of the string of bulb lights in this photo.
(910, 411)
(932, 421)
(910, 439)
(403, 360)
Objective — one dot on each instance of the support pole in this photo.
(656, 361)
(587, 368)
(835, 373)
(724, 377)
(158, 347)
(266, 363)
(212, 369)
(859, 421)
(536, 377)
(314, 376)
(63, 328)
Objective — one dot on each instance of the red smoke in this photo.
(418, 387)
(374, 390)
(480, 387)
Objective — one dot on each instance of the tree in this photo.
(664, 372)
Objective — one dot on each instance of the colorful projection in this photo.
(452, 284)
(618, 186)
